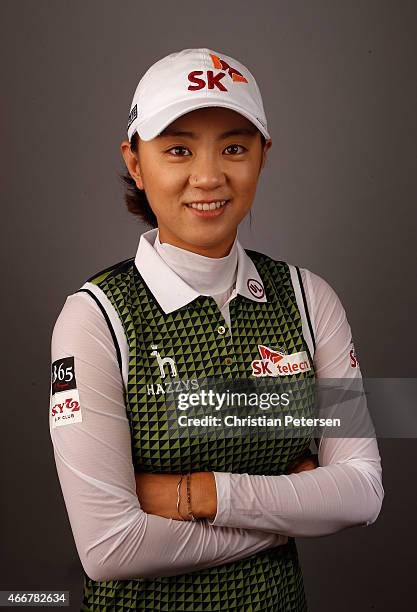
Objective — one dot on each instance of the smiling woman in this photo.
(245, 143)
(196, 162)
(174, 517)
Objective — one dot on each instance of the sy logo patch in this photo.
(65, 402)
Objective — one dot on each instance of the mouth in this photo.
(207, 209)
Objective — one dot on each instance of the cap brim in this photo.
(153, 126)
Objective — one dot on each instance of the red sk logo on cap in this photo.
(222, 65)
(214, 80)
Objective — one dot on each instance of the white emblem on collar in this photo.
(256, 288)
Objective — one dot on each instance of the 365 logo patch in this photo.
(65, 402)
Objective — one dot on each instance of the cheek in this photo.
(167, 180)
(245, 178)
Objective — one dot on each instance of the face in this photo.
(208, 155)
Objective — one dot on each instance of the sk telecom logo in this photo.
(275, 362)
(214, 80)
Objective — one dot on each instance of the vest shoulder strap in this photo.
(114, 323)
(299, 290)
(308, 328)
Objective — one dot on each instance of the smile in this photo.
(207, 205)
(207, 209)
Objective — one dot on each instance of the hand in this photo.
(306, 463)
(157, 494)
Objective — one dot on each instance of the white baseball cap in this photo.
(189, 79)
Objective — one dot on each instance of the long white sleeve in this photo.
(114, 538)
(346, 490)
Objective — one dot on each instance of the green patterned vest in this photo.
(270, 580)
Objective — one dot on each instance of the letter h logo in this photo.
(164, 360)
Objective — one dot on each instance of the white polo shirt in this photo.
(115, 539)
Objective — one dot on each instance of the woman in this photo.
(167, 520)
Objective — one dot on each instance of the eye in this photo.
(180, 148)
(176, 148)
(234, 145)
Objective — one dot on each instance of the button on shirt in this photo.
(115, 539)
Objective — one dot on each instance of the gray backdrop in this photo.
(337, 196)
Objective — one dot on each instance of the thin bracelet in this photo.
(178, 497)
(193, 518)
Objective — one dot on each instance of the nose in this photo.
(207, 172)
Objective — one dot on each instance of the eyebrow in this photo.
(235, 132)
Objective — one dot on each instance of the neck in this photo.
(208, 275)
(214, 251)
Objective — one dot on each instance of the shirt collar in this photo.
(172, 292)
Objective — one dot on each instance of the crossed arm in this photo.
(157, 493)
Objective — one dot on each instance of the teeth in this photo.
(206, 205)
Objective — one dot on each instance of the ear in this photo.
(267, 146)
(132, 163)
